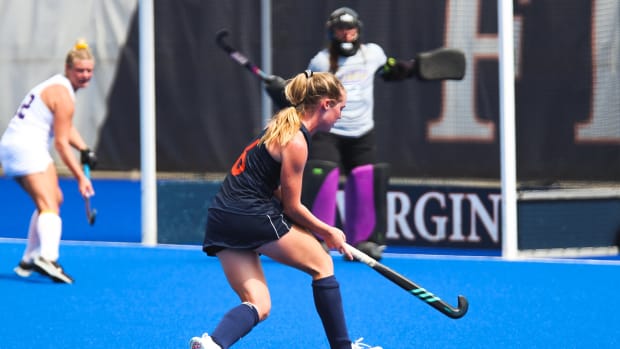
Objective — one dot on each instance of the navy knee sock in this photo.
(235, 324)
(328, 302)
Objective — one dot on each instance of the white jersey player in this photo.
(45, 116)
(33, 122)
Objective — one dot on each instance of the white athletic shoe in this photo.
(24, 269)
(51, 269)
(204, 342)
(359, 345)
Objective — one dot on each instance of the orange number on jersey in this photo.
(239, 165)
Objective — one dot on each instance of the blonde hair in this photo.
(79, 51)
(304, 92)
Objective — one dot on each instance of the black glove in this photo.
(394, 70)
(274, 85)
(88, 157)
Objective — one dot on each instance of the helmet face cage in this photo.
(343, 18)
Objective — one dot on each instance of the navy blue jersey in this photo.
(244, 214)
(248, 187)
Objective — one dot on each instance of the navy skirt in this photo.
(241, 231)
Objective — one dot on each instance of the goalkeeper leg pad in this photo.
(320, 185)
(365, 204)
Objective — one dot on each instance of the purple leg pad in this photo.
(324, 206)
(360, 215)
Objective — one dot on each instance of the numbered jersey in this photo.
(33, 120)
(248, 188)
(24, 146)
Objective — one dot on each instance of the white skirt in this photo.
(19, 158)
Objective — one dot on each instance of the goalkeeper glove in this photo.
(394, 70)
(274, 86)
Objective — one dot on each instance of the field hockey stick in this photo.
(238, 56)
(91, 214)
(411, 287)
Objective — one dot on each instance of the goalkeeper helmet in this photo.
(344, 18)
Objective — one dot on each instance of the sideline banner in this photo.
(454, 217)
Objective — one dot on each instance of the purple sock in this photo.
(328, 302)
(235, 324)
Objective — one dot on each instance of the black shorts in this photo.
(349, 152)
(239, 231)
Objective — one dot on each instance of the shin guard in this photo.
(235, 324)
(49, 229)
(328, 303)
(365, 204)
(320, 185)
(33, 246)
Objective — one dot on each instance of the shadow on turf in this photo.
(33, 279)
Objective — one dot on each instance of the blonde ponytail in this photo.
(304, 91)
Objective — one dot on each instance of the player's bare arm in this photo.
(59, 101)
(76, 140)
(294, 156)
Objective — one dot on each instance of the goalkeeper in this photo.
(350, 146)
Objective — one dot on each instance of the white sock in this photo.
(33, 245)
(49, 227)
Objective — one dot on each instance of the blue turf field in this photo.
(129, 296)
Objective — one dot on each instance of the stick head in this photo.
(220, 34)
(92, 217)
(219, 40)
(457, 313)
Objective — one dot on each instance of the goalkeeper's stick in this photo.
(238, 56)
(411, 287)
